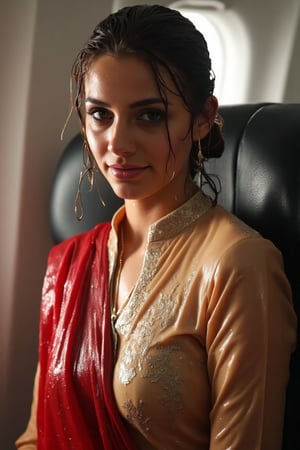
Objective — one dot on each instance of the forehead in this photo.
(118, 71)
(125, 76)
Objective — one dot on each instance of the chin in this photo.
(127, 194)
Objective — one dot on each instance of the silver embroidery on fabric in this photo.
(159, 369)
(135, 415)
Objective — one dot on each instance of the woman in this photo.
(172, 327)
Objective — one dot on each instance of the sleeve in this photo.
(28, 440)
(251, 333)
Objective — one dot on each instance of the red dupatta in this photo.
(76, 405)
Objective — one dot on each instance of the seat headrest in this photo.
(268, 176)
(62, 217)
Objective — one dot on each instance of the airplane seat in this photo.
(260, 178)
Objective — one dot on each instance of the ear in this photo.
(204, 121)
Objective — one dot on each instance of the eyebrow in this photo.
(137, 104)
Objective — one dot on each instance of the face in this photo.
(126, 130)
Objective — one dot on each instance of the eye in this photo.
(100, 114)
(152, 116)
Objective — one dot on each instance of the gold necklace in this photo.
(114, 314)
(115, 309)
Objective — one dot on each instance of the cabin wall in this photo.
(272, 28)
(39, 40)
(292, 88)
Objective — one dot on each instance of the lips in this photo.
(126, 172)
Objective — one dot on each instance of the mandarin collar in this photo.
(173, 223)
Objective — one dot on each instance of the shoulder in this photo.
(242, 241)
(71, 259)
(230, 231)
(226, 242)
(242, 256)
(76, 247)
(226, 223)
(85, 237)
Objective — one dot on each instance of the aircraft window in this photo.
(228, 44)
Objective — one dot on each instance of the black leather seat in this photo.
(260, 176)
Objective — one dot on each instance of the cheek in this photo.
(96, 144)
(182, 147)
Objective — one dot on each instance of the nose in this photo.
(121, 138)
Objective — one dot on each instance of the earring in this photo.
(200, 161)
(200, 154)
(90, 169)
(78, 206)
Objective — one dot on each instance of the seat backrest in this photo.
(260, 178)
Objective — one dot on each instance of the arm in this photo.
(28, 440)
(250, 337)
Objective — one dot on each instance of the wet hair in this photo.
(169, 43)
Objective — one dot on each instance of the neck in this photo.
(140, 214)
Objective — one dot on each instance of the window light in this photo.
(228, 45)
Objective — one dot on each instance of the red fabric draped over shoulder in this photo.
(76, 405)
